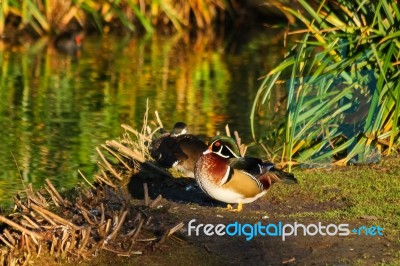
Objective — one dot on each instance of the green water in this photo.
(56, 109)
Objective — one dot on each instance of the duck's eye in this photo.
(216, 146)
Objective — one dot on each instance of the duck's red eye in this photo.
(217, 144)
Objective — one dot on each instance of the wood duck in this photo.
(225, 176)
(178, 149)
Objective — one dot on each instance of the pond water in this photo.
(56, 108)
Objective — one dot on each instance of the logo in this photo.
(279, 229)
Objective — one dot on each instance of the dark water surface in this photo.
(56, 108)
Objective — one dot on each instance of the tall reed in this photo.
(342, 81)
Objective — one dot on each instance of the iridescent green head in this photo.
(224, 146)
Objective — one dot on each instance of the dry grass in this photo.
(91, 218)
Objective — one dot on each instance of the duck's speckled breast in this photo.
(211, 168)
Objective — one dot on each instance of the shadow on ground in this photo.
(183, 201)
(180, 190)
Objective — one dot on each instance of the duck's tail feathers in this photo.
(275, 175)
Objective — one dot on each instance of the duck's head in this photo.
(223, 146)
(180, 128)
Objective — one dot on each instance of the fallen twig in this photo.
(55, 217)
(19, 228)
(108, 165)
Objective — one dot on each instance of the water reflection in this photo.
(56, 109)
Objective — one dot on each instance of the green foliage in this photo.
(54, 15)
(342, 81)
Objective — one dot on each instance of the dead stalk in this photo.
(242, 147)
(85, 214)
(104, 179)
(137, 229)
(53, 197)
(65, 250)
(19, 228)
(102, 219)
(126, 151)
(64, 239)
(73, 240)
(139, 135)
(134, 155)
(56, 194)
(55, 217)
(48, 219)
(118, 252)
(6, 242)
(32, 199)
(155, 201)
(85, 238)
(9, 236)
(26, 238)
(87, 181)
(108, 165)
(118, 227)
(169, 232)
(31, 222)
(176, 228)
(19, 204)
(146, 194)
(117, 157)
(158, 119)
(53, 244)
(228, 132)
(108, 226)
(35, 240)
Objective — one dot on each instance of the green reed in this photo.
(342, 80)
(53, 15)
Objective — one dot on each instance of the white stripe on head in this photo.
(234, 154)
(220, 152)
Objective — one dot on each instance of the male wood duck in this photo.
(178, 149)
(225, 176)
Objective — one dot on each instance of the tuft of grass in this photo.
(342, 81)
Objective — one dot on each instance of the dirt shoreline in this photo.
(357, 196)
(190, 203)
(225, 250)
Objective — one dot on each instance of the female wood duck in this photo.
(225, 176)
(178, 150)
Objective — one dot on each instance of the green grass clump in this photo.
(342, 80)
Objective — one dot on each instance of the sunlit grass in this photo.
(342, 81)
(45, 17)
(359, 192)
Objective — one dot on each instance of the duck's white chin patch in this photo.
(207, 151)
